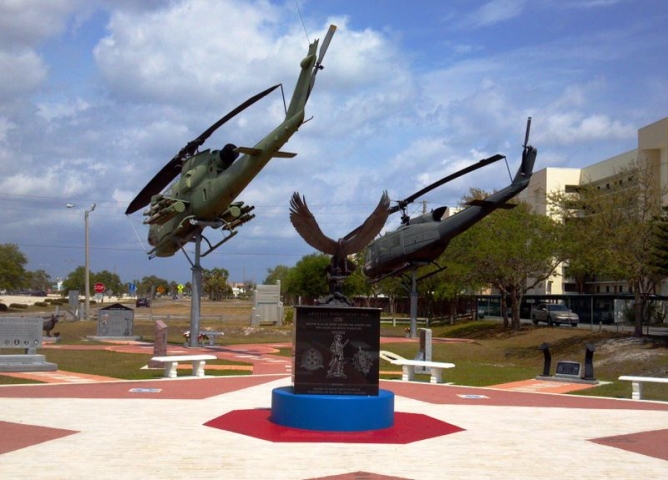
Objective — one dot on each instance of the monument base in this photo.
(26, 363)
(332, 413)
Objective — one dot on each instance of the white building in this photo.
(652, 152)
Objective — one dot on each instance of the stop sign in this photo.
(99, 287)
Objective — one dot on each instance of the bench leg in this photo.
(170, 369)
(408, 374)
(198, 368)
(636, 391)
(436, 375)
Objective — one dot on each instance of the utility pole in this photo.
(87, 266)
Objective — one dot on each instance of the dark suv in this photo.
(143, 302)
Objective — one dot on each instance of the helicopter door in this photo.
(416, 237)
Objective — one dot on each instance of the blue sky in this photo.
(97, 95)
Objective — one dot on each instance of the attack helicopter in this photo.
(210, 181)
(420, 240)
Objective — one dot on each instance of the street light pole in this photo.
(87, 267)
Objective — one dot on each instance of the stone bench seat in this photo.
(171, 363)
(637, 383)
(408, 366)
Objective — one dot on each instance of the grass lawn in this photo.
(490, 356)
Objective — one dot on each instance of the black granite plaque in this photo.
(336, 350)
(568, 369)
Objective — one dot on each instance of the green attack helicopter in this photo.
(420, 240)
(210, 181)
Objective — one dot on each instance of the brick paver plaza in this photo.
(86, 427)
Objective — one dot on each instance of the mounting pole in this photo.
(196, 299)
(414, 304)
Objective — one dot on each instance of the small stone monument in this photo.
(267, 305)
(424, 354)
(116, 321)
(159, 344)
(23, 333)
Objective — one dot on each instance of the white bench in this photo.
(172, 361)
(636, 385)
(408, 366)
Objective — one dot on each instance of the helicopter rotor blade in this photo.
(325, 43)
(321, 55)
(401, 204)
(172, 169)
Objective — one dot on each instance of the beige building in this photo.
(652, 150)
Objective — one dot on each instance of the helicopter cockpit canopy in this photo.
(223, 158)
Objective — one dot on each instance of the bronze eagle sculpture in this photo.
(340, 266)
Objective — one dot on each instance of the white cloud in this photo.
(22, 72)
(493, 12)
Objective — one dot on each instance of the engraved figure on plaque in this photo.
(338, 359)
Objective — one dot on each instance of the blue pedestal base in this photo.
(333, 413)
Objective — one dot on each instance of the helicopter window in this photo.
(222, 159)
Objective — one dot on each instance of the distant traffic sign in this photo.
(99, 287)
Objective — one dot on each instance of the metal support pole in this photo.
(414, 302)
(196, 294)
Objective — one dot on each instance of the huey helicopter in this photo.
(420, 240)
(204, 195)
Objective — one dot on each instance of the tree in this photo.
(38, 280)
(75, 280)
(277, 274)
(214, 283)
(307, 277)
(112, 282)
(149, 286)
(512, 250)
(613, 231)
(659, 254)
(12, 267)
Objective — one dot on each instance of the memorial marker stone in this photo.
(21, 332)
(336, 350)
(568, 369)
(159, 344)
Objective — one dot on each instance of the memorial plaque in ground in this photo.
(336, 350)
(568, 369)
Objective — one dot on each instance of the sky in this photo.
(97, 95)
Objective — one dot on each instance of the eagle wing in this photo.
(304, 222)
(359, 238)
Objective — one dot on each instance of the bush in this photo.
(288, 317)
(18, 305)
(3, 307)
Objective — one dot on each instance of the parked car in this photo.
(554, 314)
(143, 302)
